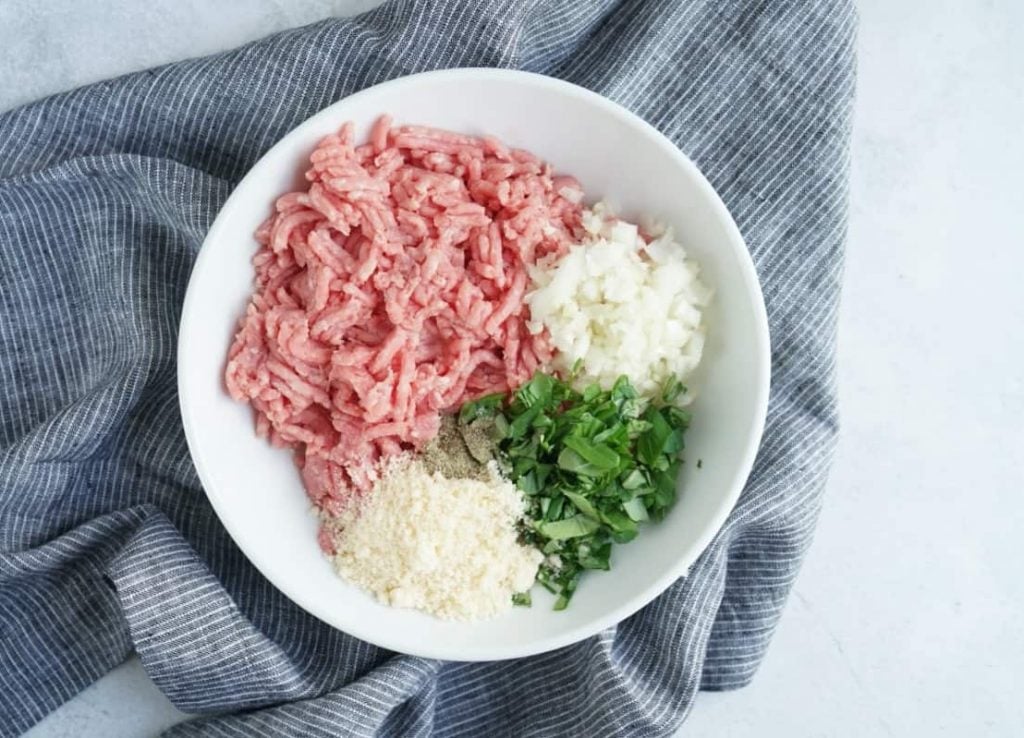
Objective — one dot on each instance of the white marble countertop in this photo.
(906, 618)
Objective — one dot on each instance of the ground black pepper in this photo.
(461, 451)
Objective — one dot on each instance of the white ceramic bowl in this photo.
(256, 490)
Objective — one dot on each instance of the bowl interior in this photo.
(256, 489)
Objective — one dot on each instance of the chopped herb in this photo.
(574, 527)
(635, 509)
(484, 407)
(593, 465)
(584, 505)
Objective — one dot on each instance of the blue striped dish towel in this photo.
(107, 543)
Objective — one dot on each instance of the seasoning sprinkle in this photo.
(461, 451)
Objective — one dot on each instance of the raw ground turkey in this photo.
(390, 290)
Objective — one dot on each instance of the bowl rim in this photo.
(761, 350)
